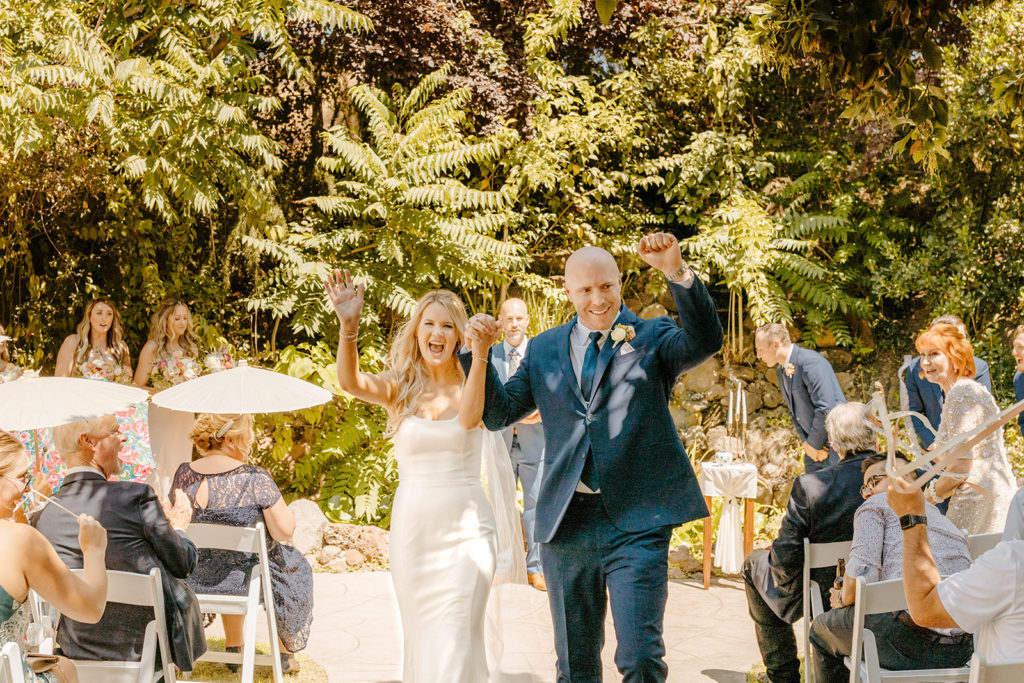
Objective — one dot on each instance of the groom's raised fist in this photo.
(661, 250)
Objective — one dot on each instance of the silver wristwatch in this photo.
(672, 277)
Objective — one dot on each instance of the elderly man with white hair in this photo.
(139, 537)
(821, 508)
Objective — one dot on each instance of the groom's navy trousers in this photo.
(589, 563)
(611, 545)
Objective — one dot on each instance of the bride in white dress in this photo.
(447, 547)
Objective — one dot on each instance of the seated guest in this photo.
(821, 507)
(877, 555)
(30, 562)
(224, 489)
(141, 537)
(987, 599)
(927, 397)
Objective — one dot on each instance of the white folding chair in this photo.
(816, 556)
(46, 616)
(979, 544)
(983, 672)
(878, 598)
(143, 590)
(10, 664)
(260, 595)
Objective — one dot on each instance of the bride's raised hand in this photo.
(345, 298)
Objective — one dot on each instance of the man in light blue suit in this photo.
(810, 387)
(525, 439)
(926, 397)
(616, 478)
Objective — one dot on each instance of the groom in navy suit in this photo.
(616, 478)
(810, 387)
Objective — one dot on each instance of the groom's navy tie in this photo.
(590, 366)
(589, 475)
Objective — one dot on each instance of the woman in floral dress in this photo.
(31, 440)
(97, 351)
(30, 562)
(8, 370)
(170, 357)
(8, 373)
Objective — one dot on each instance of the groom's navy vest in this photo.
(646, 478)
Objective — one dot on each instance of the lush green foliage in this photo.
(231, 153)
(336, 452)
(881, 57)
(399, 216)
(129, 151)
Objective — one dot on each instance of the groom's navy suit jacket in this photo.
(646, 480)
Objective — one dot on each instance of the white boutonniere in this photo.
(790, 369)
(621, 333)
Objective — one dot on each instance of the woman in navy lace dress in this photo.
(224, 489)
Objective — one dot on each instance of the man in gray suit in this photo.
(525, 439)
(140, 536)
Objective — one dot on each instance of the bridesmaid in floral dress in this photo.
(170, 357)
(8, 370)
(8, 373)
(97, 351)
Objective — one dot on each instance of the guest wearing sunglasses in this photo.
(31, 562)
(877, 555)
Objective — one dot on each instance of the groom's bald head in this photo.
(594, 286)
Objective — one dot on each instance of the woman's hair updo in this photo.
(211, 430)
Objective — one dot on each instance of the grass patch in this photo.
(309, 671)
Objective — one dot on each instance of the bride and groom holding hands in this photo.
(616, 477)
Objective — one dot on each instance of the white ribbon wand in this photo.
(944, 455)
(33, 492)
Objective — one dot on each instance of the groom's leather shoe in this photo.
(537, 581)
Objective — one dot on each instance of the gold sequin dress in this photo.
(968, 405)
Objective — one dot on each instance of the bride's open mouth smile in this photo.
(436, 348)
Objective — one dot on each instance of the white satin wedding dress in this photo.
(445, 554)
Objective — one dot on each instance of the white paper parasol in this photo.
(40, 402)
(242, 390)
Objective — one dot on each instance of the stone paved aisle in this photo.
(357, 635)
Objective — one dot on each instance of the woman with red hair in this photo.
(980, 486)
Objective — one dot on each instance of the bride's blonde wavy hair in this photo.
(405, 362)
(160, 328)
(115, 335)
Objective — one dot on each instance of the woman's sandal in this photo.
(289, 665)
(233, 668)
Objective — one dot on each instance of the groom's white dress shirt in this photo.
(579, 340)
